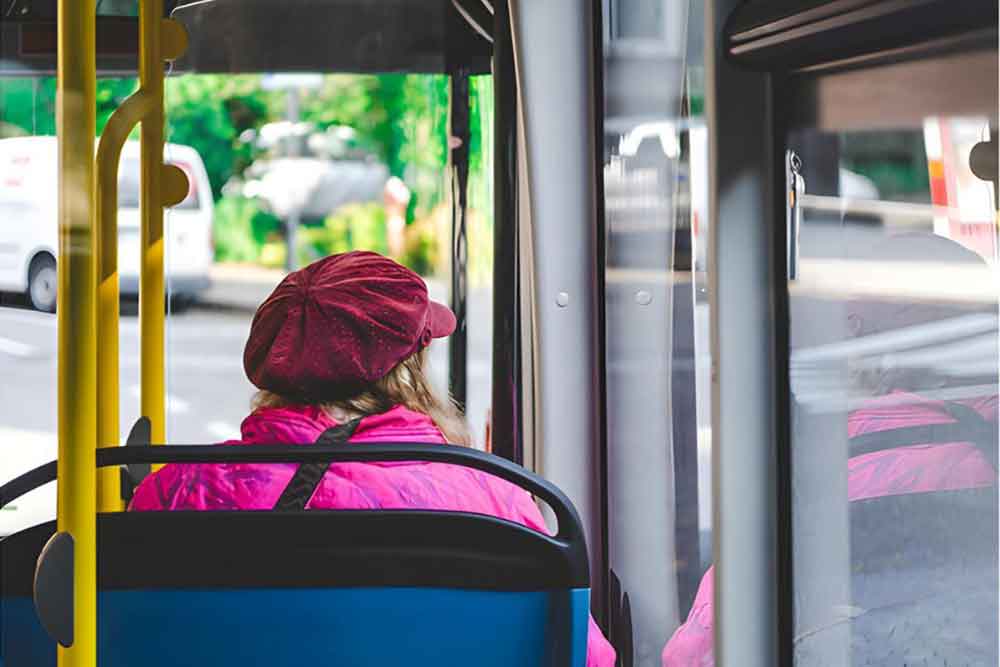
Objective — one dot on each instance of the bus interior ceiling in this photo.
(251, 36)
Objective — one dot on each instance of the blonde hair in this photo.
(406, 384)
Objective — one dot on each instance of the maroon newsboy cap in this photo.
(339, 323)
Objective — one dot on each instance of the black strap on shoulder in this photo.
(303, 484)
(969, 426)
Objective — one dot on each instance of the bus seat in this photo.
(345, 587)
(313, 587)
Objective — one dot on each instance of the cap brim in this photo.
(440, 320)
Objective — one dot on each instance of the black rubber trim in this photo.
(310, 549)
(458, 343)
(777, 35)
(784, 453)
(507, 427)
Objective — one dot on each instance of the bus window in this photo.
(28, 342)
(894, 374)
(302, 160)
(655, 200)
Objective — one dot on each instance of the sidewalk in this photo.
(242, 287)
(239, 287)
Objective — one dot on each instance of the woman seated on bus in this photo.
(916, 432)
(344, 342)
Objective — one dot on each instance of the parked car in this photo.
(29, 230)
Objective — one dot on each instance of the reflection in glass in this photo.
(655, 188)
(894, 375)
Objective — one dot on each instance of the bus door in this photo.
(879, 511)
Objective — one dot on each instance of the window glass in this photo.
(355, 161)
(479, 230)
(894, 377)
(28, 248)
(642, 19)
(325, 163)
(655, 197)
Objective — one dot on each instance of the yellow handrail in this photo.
(152, 288)
(109, 150)
(77, 318)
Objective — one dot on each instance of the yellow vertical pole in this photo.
(152, 292)
(76, 312)
(108, 483)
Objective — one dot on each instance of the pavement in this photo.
(239, 287)
(242, 287)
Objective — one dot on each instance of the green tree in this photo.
(110, 94)
(403, 117)
(29, 104)
(210, 112)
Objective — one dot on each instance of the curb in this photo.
(242, 288)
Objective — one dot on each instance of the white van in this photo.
(29, 229)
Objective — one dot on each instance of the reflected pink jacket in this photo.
(392, 485)
(915, 469)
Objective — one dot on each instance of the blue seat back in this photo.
(314, 587)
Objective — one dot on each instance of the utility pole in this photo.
(292, 113)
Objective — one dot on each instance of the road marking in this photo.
(16, 349)
(28, 317)
(222, 430)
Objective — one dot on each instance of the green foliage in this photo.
(422, 249)
(352, 227)
(241, 228)
(30, 104)
(209, 112)
(479, 224)
(402, 119)
(110, 94)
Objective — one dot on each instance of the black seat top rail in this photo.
(569, 531)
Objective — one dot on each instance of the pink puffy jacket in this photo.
(915, 469)
(391, 485)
